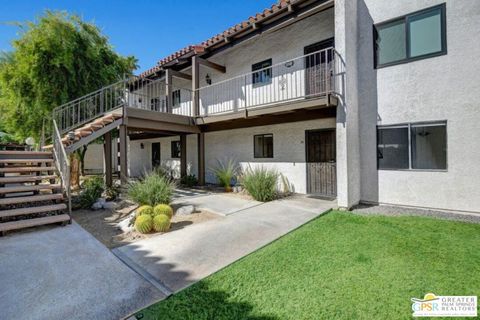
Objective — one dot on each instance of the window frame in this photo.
(262, 69)
(172, 148)
(409, 125)
(263, 146)
(405, 18)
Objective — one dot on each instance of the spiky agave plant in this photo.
(225, 171)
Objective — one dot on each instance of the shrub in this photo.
(164, 209)
(225, 172)
(144, 223)
(189, 180)
(152, 190)
(145, 210)
(161, 223)
(261, 183)
(92, 190)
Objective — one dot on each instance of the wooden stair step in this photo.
(36, 198)
(19, 179)
(5, 190)
(25, 153)
(6, 161)
(21, 224)
(32, 210)
(26, 169)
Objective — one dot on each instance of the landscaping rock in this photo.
(110, 205)
(185, 210)
(127, 224)
(99, 204)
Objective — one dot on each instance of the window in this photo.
(155, 104)
(176, 149)
(420, 146)
(176, 98)
(263, 74)
(263, 146)
(415, 36)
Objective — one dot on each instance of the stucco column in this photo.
(348, 155)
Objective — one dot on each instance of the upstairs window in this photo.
(262, 74)
(176, 149)
(176, 98)
(415, 36)
(263, 146)
(421, 146)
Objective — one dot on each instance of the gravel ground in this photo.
(402, 211)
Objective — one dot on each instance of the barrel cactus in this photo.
(145, 210)
(164, 209)
(144, 223)
(161, 223)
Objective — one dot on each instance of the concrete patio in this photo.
(65, 273)
(175, 260)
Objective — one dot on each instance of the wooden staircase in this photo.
(89, 132)
(29, 192)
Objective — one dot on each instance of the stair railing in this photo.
(63, 164)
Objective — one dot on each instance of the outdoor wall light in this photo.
(142, 146)
(208, 80)
(289, 64)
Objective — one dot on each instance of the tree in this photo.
(56, 59)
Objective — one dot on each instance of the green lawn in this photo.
(339, 266)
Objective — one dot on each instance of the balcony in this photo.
(302, 80)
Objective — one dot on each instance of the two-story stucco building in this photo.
(363, 100)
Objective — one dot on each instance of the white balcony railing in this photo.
(308, 76)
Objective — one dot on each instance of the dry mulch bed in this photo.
(102, 224)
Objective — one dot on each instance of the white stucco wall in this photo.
(94, 158)
(288, 149)
(141, 159)
(288, 81)
(237, 144)
(439, 88)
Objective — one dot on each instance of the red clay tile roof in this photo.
(221, 36)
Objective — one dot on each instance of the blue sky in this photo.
(149, 30)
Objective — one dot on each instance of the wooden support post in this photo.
(201, 158)
(169, 89)
(123, 154)
(107, 158)
(195, 86)
(183, 155)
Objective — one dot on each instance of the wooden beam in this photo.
(153, 125)
(123, 155)
(183, 155)
(195, 86)
(201, 158)
(169, 88)
(107, 158)
(212, 65)
(178, 74)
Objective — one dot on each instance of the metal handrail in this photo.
(62, 163)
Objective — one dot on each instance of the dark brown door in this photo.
(155, 154)
(321, 162)
(318, 67)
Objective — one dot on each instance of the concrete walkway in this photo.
(65, 273)
(216, 203)
(177, 259)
